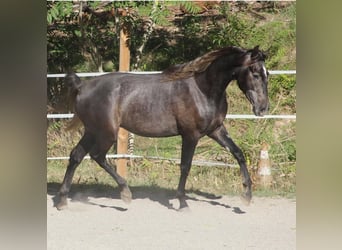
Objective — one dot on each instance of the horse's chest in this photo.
(212, 116)
(210, 120)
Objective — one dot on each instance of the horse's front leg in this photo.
(222, 137)
(188, 149)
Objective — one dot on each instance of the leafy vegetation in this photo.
(84, 36)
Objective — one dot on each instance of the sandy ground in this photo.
(152, 221)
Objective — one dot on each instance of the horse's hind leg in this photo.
(221, 136)
(76, 156)
(98, 153)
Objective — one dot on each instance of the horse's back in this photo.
(143, 104)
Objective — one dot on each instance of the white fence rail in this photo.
(272, 72)
(176, 161)
(201, 163)
(228, 116)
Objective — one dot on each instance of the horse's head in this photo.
(252, 76)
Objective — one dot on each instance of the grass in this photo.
(165, 175)
(248, 134)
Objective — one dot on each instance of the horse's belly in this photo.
(151, 126)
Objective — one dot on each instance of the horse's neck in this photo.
(214, 81)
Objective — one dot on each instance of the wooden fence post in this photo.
(122, 141)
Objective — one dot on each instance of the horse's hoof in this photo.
(61, 207)
(246, 199)
(183, 206)
(184, 210)
(60, 202)
(126, 195)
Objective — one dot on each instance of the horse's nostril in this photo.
(264, 111)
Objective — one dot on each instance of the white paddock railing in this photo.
(228, 116)
(272, 72)
(177, 161)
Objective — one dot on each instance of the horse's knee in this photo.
(77, 155)
(238, 154)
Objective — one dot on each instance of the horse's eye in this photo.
(256, 75)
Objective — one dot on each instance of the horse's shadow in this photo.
(82, 192)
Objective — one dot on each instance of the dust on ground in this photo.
(151, 221)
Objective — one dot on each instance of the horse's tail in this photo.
(74, 84)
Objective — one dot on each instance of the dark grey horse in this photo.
(187, 100)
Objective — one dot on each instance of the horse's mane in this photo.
(200, 64)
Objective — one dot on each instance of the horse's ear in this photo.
(256, 48)
(252, 56)
(257, 54)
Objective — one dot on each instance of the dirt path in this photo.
(151, 222)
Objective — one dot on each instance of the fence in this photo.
(272, 72)
(130, 156)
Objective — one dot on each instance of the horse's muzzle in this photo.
(260, 111)
(260, 105)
